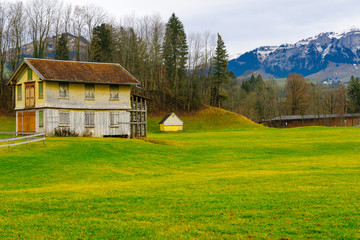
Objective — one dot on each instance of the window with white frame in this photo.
(114, 119)
(114, 92)
(64, 118)
(89, 119)
(63, 90)
(89, 91)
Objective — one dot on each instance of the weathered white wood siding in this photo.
(77, 122)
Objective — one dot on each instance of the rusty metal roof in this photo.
(311, 117)
(86, 72)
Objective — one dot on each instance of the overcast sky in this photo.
(246, 24)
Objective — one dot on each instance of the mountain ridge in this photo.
(323, 53)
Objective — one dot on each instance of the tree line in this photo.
(177, 71)
(260, 99)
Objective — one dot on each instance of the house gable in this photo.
(21, 80)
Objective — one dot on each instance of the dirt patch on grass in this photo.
(161, 142)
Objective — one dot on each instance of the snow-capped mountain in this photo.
(327, 56)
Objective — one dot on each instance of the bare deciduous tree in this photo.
(78, 23)
(297, 99)
(41, 18)
(92, 16)
(17, 33)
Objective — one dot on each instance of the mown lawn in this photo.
(236, 183)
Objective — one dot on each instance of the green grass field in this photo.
(7, 124)
(215, 183)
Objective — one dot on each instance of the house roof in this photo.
(81, 72)
(167, 116)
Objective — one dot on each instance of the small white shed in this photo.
(171, 123)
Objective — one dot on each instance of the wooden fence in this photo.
(25, 138)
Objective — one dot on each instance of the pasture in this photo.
(221, 181)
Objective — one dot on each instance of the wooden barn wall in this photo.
(327, 122)
(77, 122)
(77, 99)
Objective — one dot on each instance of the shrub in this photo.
(65, 132)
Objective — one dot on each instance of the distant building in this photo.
(89, 99)
(328, 120)
(171, 123)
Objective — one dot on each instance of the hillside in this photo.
(28, 49)
(207, 118)
(328, 56)
(7, 124)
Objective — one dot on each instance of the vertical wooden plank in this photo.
(131, 104)
(32, 95)
(20, 121)
(145, 118)
(133, 118)
(136, 117)
(26, 95)
(141, 132)
(25, 121)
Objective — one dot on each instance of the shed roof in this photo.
(167, 116)
(164, 119)
(82, 72)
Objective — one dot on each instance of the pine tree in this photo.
(252, 82)
(102, 44)
(220, 72)
(175, 52)
(353, 95)
(62, 50)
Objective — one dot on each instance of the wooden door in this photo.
(26, 121)
(30, 122)
(29, 95)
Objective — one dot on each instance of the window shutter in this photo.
(41, 118)
(89, 91)
(19, 96)
(89, 119)
(64, 90)
(64, 118)
(40, 90)
(29, 74)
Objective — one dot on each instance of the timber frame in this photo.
(138, 116)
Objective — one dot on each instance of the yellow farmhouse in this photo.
(171, 122)
(79, 97)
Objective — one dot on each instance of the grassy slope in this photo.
(233, 183)
(207, 118)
